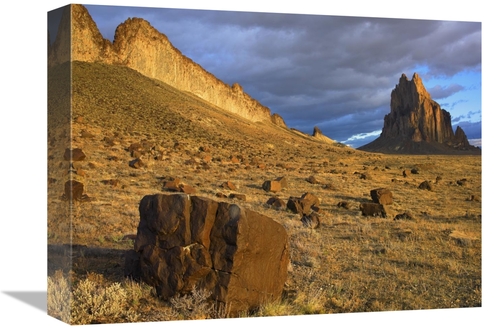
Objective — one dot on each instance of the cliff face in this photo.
(417, 124)
(141, 47)
(415, 115)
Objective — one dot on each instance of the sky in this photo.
(334, 72)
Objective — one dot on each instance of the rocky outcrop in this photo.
(417, 124)
(318, 135)
(186, 242)
(278, 120)
(141, 47)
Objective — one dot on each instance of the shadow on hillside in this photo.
(83, 260)
(254, 186)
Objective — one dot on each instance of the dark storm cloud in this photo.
(331, 71)
(439, 92)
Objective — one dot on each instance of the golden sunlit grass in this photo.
(351, 263)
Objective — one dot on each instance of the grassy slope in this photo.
(350, 264)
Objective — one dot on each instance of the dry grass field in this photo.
(430, 259)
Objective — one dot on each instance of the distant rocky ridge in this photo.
(141, 47)
(318, 134)
(418, 125)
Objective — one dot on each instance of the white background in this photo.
(23, 161)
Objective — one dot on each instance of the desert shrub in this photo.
(94, 303)
(194, 306)
(58, 297)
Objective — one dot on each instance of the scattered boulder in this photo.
(329, 186)
(312, 180)
(312, 220)
(304, 204)
(406, 215)
(176, 185)
(183, 243)
(238, 196)
(271, 186)
(74, 154)
(221, 195)
(283, 182)
(415, 171)
(276, 203)
(373, 209)
(425, 185)
(346, 205)
(365, 176)
(137, 163)
(462, 182)
(86, 134)
(73, 191)
(135, 149)
(228, 185)
(172, 185)
(382, 196)
(188, 189)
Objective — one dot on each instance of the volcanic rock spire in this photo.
(417, 124)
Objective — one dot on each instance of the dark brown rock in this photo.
(271, 186)
(276, 203)
(312, 180)
(345, 204)
(404, 216)
(294, 205)
(425, 185)
(172, 185)
(304, 204)
(188, 189)
(283, 182)
(136, 163)
(74, 155)
(312, 220)
(382, 196)
(228, 185)
(238, 196)
(135, 148)
(183, 243)
(73, 190)
(373, 209)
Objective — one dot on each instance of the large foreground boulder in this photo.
(189, 242)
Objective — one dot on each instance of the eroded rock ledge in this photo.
(140, 46)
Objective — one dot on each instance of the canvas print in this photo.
(209, 164)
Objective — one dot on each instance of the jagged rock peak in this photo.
(414, 115)
(417, 124)
(460, 138)
(318, 135)
(317, 131)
